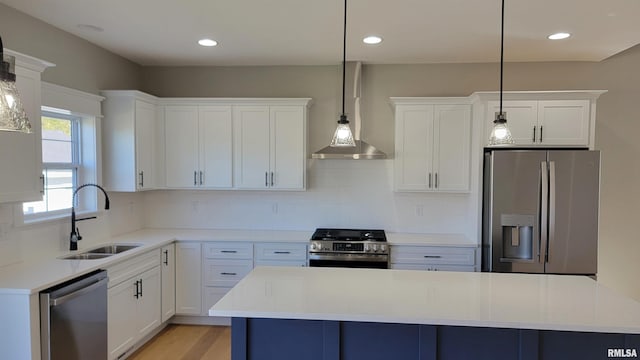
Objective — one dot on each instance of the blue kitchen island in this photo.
(337, 313)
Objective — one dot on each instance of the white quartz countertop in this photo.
(456, 240)
(527, 301)
(33, 275)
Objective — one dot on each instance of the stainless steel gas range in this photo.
(354, 248)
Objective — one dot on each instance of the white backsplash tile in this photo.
(341, 193)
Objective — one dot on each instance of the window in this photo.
(61, 163)
(70, 152)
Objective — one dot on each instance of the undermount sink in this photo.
(101, 252)
(86, 256)
(113, 249)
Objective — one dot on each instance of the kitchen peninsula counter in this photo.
(415, 312)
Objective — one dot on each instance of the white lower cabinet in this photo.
(168, 272)
(206, 271)
(280, 254)
(224, 265)
(188, 278)
(433, 258)
(134, 301)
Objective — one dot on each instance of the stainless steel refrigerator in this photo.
(540, 211)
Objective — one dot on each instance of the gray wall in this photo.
(79, 64)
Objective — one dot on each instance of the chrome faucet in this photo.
(74, 237)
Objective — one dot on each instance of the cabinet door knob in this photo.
(272, 183)
(201, 177)
(266, 179)
(42, 180)
(141, 179)
(436, 181)
(534, 134)
(195, 178)
(166, 257)
(429, 180)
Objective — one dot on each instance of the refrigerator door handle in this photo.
(552, 204)
(544, 215)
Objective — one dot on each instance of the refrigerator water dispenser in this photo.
(517, 237)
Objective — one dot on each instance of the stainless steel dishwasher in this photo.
(73, 319)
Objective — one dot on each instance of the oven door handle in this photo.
(349, 257)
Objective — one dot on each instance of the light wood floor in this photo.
(188, 342)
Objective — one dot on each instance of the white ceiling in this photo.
(309, 32)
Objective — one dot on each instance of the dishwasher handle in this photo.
(63, 299)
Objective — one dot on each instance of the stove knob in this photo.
(313, 246)
(367, 248)
(375, 247)
(382, 248)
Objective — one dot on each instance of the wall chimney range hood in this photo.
(362, 150)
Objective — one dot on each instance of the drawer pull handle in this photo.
(228, 273)
(432, 257)
(282, 252)
(228, 251)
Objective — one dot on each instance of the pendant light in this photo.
(500, 135)
(12, 114)
(343, 135)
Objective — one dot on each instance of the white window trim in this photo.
(88, 107)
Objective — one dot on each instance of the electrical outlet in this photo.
(274, 208)
(4, 231)
(419, 210)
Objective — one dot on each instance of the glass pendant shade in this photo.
(500, 134)
(343, 136)
(12, 114)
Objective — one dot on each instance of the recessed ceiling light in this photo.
(90, 27)
(207, 42)
(558, 36)
(372, 40)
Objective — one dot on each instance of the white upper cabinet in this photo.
(198, 146)
(181, 146)
(522, 119)
(563, 122)
(252, 137)
(270, 146)
(432, 145)
(235, 143)
(216, 146)
(20, 153)
(129, 141)
(544, 118)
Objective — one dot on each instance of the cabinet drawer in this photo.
(435, 255)
(126, 269)
(280, 252)
(228, 250)
(225, 272)
(298, 263)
